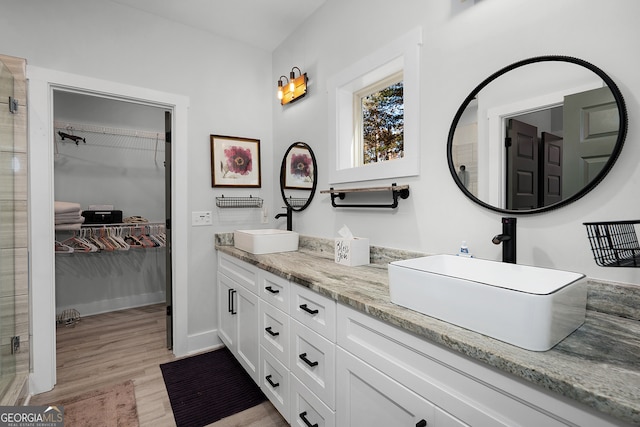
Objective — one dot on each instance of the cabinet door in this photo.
(248, 344)
(367, 397)
(226, 318)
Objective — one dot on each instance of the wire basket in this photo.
(614, 243)
(238, 202)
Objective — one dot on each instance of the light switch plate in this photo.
(200, 218)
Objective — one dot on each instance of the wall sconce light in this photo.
(293, 88)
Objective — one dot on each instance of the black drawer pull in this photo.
(421, 423)
(303, 356)
(303, 417)
(270, 332)
(232, 310)
(273, 291)
(308, 310)
(274, 385)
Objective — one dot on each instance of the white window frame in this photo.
(401, 55)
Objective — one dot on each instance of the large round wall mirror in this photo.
(537, 135)
(298, 176)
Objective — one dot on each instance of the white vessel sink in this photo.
(530, 307)
(265, 241)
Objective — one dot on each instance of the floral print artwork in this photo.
(235, 162)
(238, 160)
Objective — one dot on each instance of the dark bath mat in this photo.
(208, 387)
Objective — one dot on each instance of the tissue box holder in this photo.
(352, 252)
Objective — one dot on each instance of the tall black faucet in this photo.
(508, 240)
(289, 216)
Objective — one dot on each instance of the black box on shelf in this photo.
(102, 217)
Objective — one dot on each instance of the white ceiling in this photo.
(261, 23)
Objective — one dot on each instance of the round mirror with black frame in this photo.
(298, 176)
(537, 135)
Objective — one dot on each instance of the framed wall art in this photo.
(235, 161)
(299, 168)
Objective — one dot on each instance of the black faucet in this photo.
(289, 216)
(508, 240)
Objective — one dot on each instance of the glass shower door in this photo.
(7, 232)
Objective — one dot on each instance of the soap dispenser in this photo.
(464, 250)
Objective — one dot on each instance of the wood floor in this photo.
(111, 348)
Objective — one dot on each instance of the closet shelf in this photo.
(238, 202)
(397, 191)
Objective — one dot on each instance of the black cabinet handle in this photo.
(421, 423)
(270, 332)
(268, 378)
(308, 310)
(232, 292)
(303, 356)
(273, 291)
(303, 417)
(229, 305)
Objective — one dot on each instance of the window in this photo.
(374, 114)
(379, 135)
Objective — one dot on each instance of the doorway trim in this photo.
(42, 83)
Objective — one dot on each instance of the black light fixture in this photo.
(292, 88)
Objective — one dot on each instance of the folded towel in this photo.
(74, 219)
(66, 207)
(75, 226)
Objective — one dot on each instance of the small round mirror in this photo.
(298, 176)
(537, 135)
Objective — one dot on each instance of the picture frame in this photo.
(235, 162)
(299, 169)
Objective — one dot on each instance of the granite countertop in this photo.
(597, 365)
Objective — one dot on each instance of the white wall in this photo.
(228, 85)
(463, 44)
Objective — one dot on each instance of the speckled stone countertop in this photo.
(597, 365)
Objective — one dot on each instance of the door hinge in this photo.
(13, 105)
(15, 344)
(169, 310)
(507, 142)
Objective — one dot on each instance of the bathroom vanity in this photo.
(327, 346)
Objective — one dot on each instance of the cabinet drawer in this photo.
(275, 290)
(312, 360)
(241, 272)
(275, 382)
(274, 332)
(307, 409)
(313, 310)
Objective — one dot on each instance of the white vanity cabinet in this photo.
(381, 366)
(238, 312)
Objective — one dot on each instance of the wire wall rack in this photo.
(238, 202)
(297, 202)
(614, 243)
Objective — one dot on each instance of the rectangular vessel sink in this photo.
(265, 241)
(529, 307)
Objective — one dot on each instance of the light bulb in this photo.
(280, 92)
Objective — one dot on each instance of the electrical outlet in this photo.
(200, 218)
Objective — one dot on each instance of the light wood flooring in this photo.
(110, 348)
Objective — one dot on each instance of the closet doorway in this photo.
(112, 161)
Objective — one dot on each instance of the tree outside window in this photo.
(383, 124)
